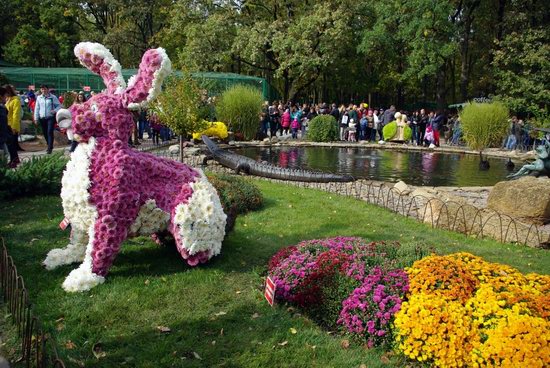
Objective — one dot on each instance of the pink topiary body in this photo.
(111, 191)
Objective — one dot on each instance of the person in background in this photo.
(285, 121)
(387, 117)
(15, 112)
(414, 126)
(371, 129)
(377, 127)
(264, 123)
(423, 119)
(47, 105)
(295, 126)
(437, 125)
(7, 138)
(363, 135)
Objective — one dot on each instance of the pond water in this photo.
(413, 167)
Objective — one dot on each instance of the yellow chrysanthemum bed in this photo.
(465, 312)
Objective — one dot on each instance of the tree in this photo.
(521, 61)
(291, 44)
(178, 107)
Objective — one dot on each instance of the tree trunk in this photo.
(182, 140)
(441, 92)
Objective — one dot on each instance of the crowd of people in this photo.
(359, 122)
(355, 122)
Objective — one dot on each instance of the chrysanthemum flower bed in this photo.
(449, 311)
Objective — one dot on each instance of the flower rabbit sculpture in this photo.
(111, 192)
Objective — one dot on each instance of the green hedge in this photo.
(37, 176)
(237, 195)
(390, 130)
(323, 128)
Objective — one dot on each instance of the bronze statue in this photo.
(541, 166)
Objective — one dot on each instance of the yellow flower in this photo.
(216, 129)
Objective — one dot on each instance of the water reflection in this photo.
(417, 168)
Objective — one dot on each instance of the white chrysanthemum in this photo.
(201, 222)
(74, 187)
(82, 278)
(150, 219)
(98, 49)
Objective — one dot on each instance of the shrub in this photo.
(389, 130)
(68, 99)
(236, 192)
(484, 124)
(37, 176)
(323, 128)
(240, 107)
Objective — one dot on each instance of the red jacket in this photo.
(285, 122)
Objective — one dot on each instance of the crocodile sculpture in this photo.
(249, 166)
(541, 166)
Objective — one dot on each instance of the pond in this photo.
(413, 167)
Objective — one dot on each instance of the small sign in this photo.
(87, 88)
(31, 87)
(269, 291)
(63, 224)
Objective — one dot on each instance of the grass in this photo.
(216, 313)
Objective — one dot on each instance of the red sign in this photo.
(87, 88)
(269, 291)
(63, 224)
(31, 87)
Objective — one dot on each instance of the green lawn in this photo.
(216, 313)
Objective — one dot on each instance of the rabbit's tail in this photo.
(199, 223)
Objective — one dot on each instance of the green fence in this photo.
(76, 79)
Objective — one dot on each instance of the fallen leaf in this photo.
(70, 345)
(363, 366)
(283, 343)
(34, 239)
(221, 332)
(147, 282)
(98, 352)
(238, 292)
(213, 342)
(163, 279)
(255, 315)
(384, 359)
(197, 356)
(220, 314)
(345, 344)
(293, 331)
(61, 319)
(164, 329)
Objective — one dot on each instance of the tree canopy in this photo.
(405, 52)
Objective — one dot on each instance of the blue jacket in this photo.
(46, 107)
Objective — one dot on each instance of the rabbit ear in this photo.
(146, 84)
(99, 60)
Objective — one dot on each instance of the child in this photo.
(429, 137)
(352, 130)
(295, 126)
